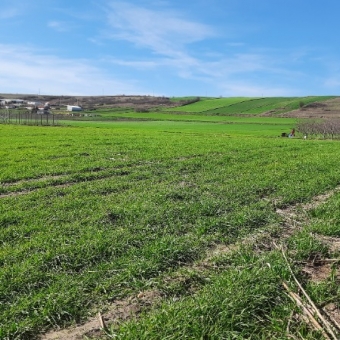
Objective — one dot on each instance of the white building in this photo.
(16, 102)
(74, 108)
(34, 103)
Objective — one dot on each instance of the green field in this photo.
(95, 212)
(206, 104)
(268, 127)
(166, 116)
(249, 106)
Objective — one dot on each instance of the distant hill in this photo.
(255, 106)
(88, 102)
(310, 106)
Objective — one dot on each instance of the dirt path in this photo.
(293, 219)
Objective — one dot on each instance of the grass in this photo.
(218, 311)
(206, 104)
(248, 127)
(166, 116)
(249, 106)
(99, 211)
(326, 218)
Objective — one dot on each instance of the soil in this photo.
(318, 273)
(332, 242)
(333, 312)
(118, 311)
(327, 109)
(131, 307)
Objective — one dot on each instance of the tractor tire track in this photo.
(293, 219)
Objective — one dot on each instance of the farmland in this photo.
(166, 116)
(96, 214)
(209, 104)
(249, 106)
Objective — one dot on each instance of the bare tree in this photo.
(327, 128)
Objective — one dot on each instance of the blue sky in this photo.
(171, 48)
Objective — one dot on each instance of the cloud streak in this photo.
(59, 26)
(25, 70)
(164, 32)
(168, 35)
(9, 13)
(152, 46)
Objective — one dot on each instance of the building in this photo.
(11, 103)
(74, 108)
(35, 104)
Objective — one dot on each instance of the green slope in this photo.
(209, 104)
(232, 106)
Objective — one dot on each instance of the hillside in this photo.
(323, 109)
(304, 107)
(271, 106)
(93, 102)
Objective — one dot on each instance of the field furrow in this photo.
(294, 219)
(179, 213)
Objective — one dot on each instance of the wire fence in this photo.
(27, 117)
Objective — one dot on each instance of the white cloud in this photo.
(10, 9)
(9, 13)
(237, 88)
(332, 83)
(25, 70)
(164, 32)
(236, 44)
(236, 64)
(59, 26)
(137, 64)
(168, 35)
(221, 68)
